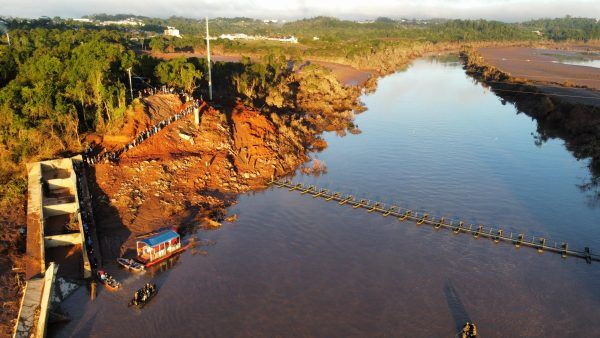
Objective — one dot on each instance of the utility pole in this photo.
(130, 86)
(208, 60)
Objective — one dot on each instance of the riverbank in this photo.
(543, 66)
(382, 60)
(187, 175)
(506, 70)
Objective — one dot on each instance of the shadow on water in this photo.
(456, 307)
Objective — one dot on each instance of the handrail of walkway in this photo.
(497, 234)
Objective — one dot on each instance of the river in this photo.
(432, 139)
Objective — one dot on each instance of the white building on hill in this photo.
(125, 22)
(172, 31)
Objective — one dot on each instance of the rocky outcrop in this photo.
(232, 150)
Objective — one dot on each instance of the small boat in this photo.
(109, 281)
(468, 331)
(142, 296)
(131, 264)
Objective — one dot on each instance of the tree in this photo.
(158, 44)
(179, 73)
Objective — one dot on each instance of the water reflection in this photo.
(577, 124)
(296, 266)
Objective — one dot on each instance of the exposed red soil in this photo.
(140, 118)
(186, 171)
(12, 265)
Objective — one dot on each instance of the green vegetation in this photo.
(567, 28)
(57, 83)
(262, 82)
(179, 73)
(332, 29)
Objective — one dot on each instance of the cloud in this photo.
(506, 10)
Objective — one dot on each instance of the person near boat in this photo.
(143, 295)
(109, 281)
(469, 331)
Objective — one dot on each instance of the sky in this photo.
(504, 10)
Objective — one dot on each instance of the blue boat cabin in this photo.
(158, 246)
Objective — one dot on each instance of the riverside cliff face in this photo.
(187, 174)
(189, 167)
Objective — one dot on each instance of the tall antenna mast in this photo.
(208, 59)
(130, 86)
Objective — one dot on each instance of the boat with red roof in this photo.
(159, 247)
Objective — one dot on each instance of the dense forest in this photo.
(332, 29)
(56, 85)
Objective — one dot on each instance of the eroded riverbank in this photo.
(187, 174)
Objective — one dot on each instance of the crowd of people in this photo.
(143, 295)
(86, 217)
(108, 280)
(469, 331)
(91, 157)
(162, 90)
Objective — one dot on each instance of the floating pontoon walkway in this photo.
(496, 234)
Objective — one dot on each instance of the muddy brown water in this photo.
(296, 266)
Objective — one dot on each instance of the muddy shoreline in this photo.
(543, 66)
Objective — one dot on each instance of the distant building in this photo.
(172, 31)
(538, 33)
(237, 36)
(315, 38)
(125, 22)
(291, 39)
(242, 36)
(270, 21)
(83, 20)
